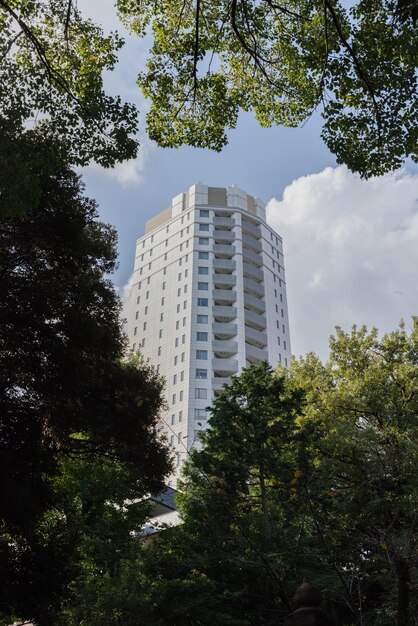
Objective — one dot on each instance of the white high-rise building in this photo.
(208, 299)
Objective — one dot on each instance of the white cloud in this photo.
(351, 253)
(125, 296)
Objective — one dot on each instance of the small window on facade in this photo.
(133, 346)
(165, 256)
(177, 325)
(278, 340)
(172, 440)
(160, 333)
(204, 213)
(202, 302)
(179, 291)
(164, 271)
(181, 396)
(202, 319)
(138, 300)
(178, 308)
(186, 273)
(203, 227)
(135, 330)
(179, 437)
(201, 373)
(173, 419)
(182, 375)
(145, 326)
(284, 345)
(282, 312)
(176, 360)
(161, 317)
(201, 336)
(147, 295)
(201, 355)
(203, 286)
(184, 321)
(149, 265)
(283, 328)
(179, 276)
(163, 286)
(180, 416)
(136, 315)
(203, 241)
(185, 289)
(143, 342)
(176, 343)
(203, 256)
(175, 379)
(146, 310)
(200, 414)
(182, 356)
(183, 339)
(159, 350)
(200, 393)
(162, 301)
(185, 304)
(173, 399)
(203, 270)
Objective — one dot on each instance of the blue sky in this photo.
(351, 246)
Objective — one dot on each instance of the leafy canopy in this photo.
(283, 60)
(51, 78)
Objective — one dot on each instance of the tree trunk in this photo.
(403, 579)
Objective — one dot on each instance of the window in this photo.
(201, 336)
(163, 285)
(183, 354)
(203, 256)
(181, 396)
(203, 241)
(149, 265)
(203, 270)
(161, 317)
(181, 247)
(177, 325)
(187, 243)
(283, 328)
(183, 339)
(280, 358)
(200, 373)
(275, 293)
(175, 379)
(200, 414)
(277, 308)
(164, 271)
(176, 360)
(135, 330)
(204, 227)
(186, 258)
(143, 342)
(146, 310)
(138, 300)
(167, 228)
(173, 419)
(184, 321)
(203, 286)
(166, 243)
(285, 362)
(142, 257)
(202, 319)
(179, 276)
(159, 351)
(201, 355)
(139, 285)
(204, 213)
(150, 252)
(185, 304)
(284, 345)
(201, 393)
(178, 460)
(202, 302)
(162, 301)
(176, 343)
(281, 297)
(282, 312)
(179, 291)
(152, 238)
(172, 440)
(188, 229)
(136, 315)
(133, 346)
(173, 399)
(179, 437)
(182, 375)
(186, 273)
(178, 308)
(165, 256)
(180, 416)
(147, 295)
(180, 262)
(278, 324)
(278, 340)
(145, 326)
(160, 333)
(185, 289)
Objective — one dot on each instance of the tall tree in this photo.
(64, 387)
(283, 60)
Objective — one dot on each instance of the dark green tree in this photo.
(65, 389)
(283, 60)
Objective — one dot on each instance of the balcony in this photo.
(254, 320)
(223, 296)
(224, 280)
(253, 354)
(224, 349)
(223, 236)
(254, 304)
(250, 242)
(223, 222)
(224, 266)
(224, 251)
(224, 331)
(219, 382)
(255, 337)
(252, 257)
(251, 229)
(252, 272)
(253, 288)
(225, 367)
(224, 313)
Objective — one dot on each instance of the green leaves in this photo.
(209, 59)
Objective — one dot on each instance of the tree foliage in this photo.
(51, 78)
(310, 472)
(283, 60)
(65, 390)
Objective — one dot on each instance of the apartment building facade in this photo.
(208, 299)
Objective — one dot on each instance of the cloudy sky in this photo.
(351, 246)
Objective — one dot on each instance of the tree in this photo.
(283, 60)
(363, 404)
(65, 389)
(51, 80)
